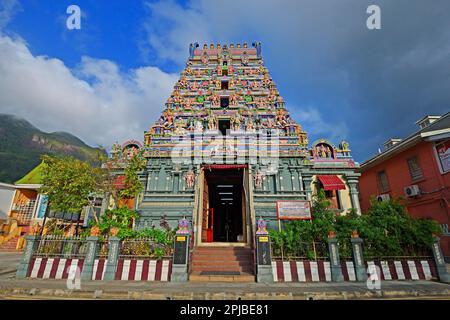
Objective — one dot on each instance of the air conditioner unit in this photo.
(383, 197)
(412, 191)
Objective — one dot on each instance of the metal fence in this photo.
(143, 248)
(102, 247)
(395, 251)
(300, 251)
(61, 246)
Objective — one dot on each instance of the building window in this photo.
(333, 197)
(415, 171)
(224, 85)
(383, 183)
(224, 102)
(445, 231)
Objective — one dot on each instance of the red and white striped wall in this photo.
(406, 269)
(144, 270)
(98, 273)
(53, 268)
(301, 271)
(315, 271)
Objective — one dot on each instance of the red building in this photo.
(417, 169)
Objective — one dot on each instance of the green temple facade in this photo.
(225, 150)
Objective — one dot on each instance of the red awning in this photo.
(331, 182)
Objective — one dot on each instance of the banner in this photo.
(294, 210)
(443, 153)
(42, 207)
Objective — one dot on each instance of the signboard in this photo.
(263, 251)
(42, 207)
(294, 210)
(443, 155)
(180, 250)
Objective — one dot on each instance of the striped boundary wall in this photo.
(134, 270)
(301, 271)
(417, 269)
(320, 271)
(144, 270)
(52, 268)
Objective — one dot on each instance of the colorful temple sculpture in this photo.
(225, 150)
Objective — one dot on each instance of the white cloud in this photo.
(314, 124)
(96, 101)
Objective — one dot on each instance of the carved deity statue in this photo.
(194, 85)
(259, 177)
(212, 122)
(183, 82)
(219, 70)
(262, 227)
(198, 126)
(255, 85)
(205, 58)
(234, 99)
(244, 58)
(168, 116)
(190, 178)
(115, 151)
(218, 84)
(215, 99)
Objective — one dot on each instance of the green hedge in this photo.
(387, 230)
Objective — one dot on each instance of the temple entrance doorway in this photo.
(224, 205)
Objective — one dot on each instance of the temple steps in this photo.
(10, 245)
(222, 264)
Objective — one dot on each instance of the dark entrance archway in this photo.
(225, 203)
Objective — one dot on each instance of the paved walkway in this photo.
(57, 289)
(9, 261)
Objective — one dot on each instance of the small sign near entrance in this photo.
(180, 250)
(294, 210)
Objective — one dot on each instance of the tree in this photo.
(133, 185)
(67, 182)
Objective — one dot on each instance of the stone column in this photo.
(180, 258)
(353, 183)
(336, 269)
(32, 242)
(307, 181)
(88, 265)
(358, 259)
(263, 259)
(441, 266)
(264, 271)
(113, 258)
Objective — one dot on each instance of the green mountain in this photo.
(22, 144)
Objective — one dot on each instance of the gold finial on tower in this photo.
(238, 45)
(218, 46)
(245, 44)
(231, 45)
(205, 46)
(211, 46)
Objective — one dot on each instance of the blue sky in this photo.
(109, 80)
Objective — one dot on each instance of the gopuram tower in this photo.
(225, 152)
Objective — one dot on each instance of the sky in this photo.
(109, 80)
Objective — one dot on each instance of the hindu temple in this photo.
(225, 150)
